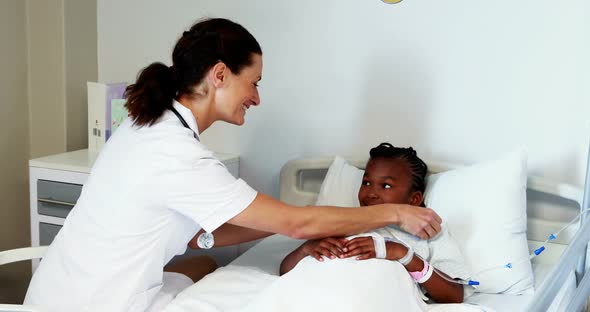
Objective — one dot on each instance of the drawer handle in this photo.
(56, 202)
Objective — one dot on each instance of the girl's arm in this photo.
(292, 259)
(439, 289)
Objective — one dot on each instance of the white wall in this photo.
(46, 68)
(80, 55)
(14, 147)
(48, 53)
(461, 81)
(61, 58)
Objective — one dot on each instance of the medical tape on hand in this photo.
(409, 254)
(380, 249)
(427, 275)
(407, 258)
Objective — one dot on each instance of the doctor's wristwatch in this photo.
(205, 240)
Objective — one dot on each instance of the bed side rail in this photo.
(573, 258)
(545, 295)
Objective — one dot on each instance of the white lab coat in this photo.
(150, 190)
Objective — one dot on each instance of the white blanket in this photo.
(346, 285)
(227, 289)
(333, 285)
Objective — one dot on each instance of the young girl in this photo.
(396, 175)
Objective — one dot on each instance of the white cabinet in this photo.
(55, 185)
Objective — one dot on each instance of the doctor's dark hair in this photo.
(417, 167)
(206, 43)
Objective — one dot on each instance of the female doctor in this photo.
(154, 186)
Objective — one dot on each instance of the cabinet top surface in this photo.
(82, 160)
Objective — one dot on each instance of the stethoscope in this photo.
(205, 240)
(184, 122)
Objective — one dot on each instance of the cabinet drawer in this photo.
(47, 233)
(56, 198)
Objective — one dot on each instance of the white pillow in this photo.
(341, 185)
(484, 206)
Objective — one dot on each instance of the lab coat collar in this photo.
(188, 117)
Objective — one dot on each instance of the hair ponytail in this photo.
(151, 95)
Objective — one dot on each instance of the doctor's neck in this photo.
(201, 104)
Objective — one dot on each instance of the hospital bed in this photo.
(560, 280)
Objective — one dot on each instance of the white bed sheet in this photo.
(268, 254)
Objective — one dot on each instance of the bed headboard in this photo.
(302, 178)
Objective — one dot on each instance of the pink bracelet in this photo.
(424, 275)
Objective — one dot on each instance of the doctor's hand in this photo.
(331, 247)
(419, 221)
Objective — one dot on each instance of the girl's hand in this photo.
(331, 247)
(361, 247)
(364, 248)
(395, 251)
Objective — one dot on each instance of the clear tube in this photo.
(509, 265)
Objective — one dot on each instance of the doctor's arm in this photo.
(229, 234)
(310, 222)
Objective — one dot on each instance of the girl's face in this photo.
(388, 180)
(239, 92)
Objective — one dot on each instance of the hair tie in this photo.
(172, 69)
(174, 76)
(191, 33)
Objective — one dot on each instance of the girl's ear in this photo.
(416, 198)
